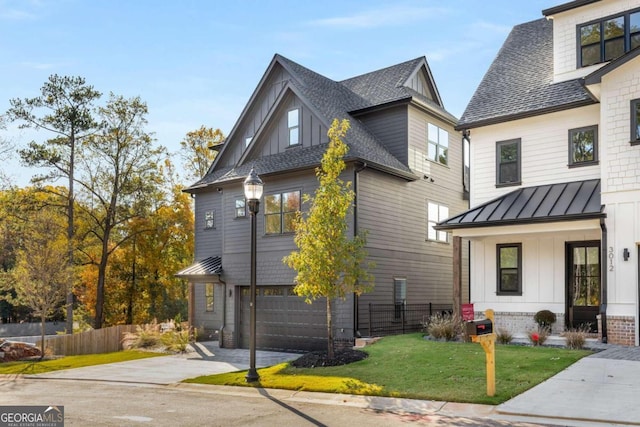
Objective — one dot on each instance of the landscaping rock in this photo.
(13, 350)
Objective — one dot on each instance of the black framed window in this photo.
(508, 162)
(608, 38)
(399, 295)
(293, 123)
(437, 144)
(280, 212)
(583, 146)
(240, 207)
(209, 220)
(635, 121)
(509, 268)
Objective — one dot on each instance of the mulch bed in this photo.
(317, 359)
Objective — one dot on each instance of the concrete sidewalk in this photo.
(604, 387)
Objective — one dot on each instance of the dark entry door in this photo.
(583, 284)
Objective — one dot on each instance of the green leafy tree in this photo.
(64, 108)
(41, 272)
(329, 263)
(197, 153)
(121, 175)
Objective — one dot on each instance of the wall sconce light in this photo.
(625, 254)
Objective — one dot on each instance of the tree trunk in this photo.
(330, 352)
(70, 232)
(102, 273)
(42, 326)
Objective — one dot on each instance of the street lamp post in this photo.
(253, 186)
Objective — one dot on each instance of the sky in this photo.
(197, 62)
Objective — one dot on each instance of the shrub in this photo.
(545, 318)
(177, 340)
(503, 336)
(145, 336)
(444, 326)
(576, 337)
(538, 336)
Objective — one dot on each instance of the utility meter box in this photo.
(479, 327)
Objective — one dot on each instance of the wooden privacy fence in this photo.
(103, 340)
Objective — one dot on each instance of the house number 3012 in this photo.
(611, 256)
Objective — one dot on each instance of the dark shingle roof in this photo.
(544, 203)
(207, 267)
(519, 82)
(336, 100)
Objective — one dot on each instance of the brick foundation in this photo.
(620, 330)
(521, 323)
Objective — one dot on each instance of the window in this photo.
(509, 269)
(241, 207)
(280, 212)
(466, 172)
(247, 141)
(208, 220)
(399, 296)
(508, 162)
(208, 296)
(608, 39)
(635, 121)
(435, 214)
(583, 146)
(293, 122)
(437, 144)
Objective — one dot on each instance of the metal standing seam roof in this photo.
(544, 203)
(207, 267)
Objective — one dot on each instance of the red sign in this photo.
(467, 312)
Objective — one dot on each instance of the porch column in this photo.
(191, 304)
(457, 275)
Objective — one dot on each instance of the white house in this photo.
(554, 137)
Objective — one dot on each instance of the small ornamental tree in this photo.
(330, 264)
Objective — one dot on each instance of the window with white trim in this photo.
(437, 144)
(209, 220)
(240, 207)
(208, 296)
(435, 214)
(293, 123)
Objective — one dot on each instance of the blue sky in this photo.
(196, 62)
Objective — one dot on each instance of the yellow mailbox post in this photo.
(481, 331)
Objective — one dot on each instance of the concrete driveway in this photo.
(173, 368)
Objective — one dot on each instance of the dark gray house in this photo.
(406, 165)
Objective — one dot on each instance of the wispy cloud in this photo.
(384, 17)
(16, 11)
(491, 27)
(39, 65)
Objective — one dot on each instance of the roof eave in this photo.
(524, 114)
(567, 6)
(500, 223)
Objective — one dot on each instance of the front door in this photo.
(583, 284)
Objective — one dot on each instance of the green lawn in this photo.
(412, 367)
(69, 362)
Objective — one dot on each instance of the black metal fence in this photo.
(395, 319)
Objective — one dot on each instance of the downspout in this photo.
(356, 313)
(603, 274)
(224, 312)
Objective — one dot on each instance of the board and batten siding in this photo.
(263, 101)
(544, 151)
(543, 270)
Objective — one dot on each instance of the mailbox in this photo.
(479, 327)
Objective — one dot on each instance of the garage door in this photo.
(283, 320)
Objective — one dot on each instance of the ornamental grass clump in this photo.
(538, 336)
(503, 336)
(443, 326)
(576, 337)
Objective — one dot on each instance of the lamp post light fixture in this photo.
(253, 187)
